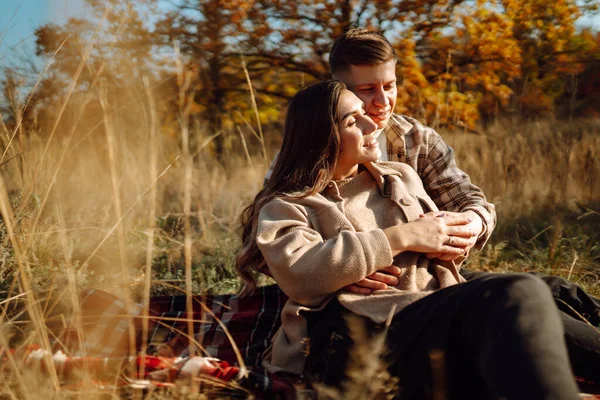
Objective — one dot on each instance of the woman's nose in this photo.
(368, 125)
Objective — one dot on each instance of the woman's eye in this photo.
(352, 123)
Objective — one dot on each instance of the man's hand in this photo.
(475, 226)
(379, 280)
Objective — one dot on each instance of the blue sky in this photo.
(19, 18)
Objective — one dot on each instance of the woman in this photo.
(331, 215)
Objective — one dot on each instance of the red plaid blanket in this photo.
(250, 322)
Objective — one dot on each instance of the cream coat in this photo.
(315, 246)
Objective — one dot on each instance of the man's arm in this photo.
(448, 186)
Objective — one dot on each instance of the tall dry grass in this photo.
(97, 202)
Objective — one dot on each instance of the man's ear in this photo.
(339, 75)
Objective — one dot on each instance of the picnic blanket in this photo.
(234, 330)
(230, 333)
(219, 322)
(250, 322)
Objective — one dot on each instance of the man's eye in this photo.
(366, 90)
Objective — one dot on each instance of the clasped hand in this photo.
(441, 234)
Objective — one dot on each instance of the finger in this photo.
(433, 255)
(452, 250)
(450, 257)
(459, 219)
(374, 284)
(383, 278)
(457, 241)
(461, 230)
(433, 214)
(392, 270)
(357, 289)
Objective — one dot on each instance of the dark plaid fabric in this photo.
(251, 321)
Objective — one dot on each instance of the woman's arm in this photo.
(308, 267)
(423, 235)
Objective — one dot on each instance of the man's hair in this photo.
(360, 47)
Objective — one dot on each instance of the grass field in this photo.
(124, 202)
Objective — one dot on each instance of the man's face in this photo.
(375, 86)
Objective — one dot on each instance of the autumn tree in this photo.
(547, 36)
(452, 54)
(207, 33)
(112, 47)
(452, 74)
(460, 61)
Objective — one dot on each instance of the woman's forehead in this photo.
(348, 102)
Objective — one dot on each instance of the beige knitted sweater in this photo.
(315, 246)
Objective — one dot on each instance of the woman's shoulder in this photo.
(295, 201)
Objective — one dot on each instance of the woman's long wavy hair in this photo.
(306, 162)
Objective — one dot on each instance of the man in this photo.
(366, 62)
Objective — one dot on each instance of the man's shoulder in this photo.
(412, 129)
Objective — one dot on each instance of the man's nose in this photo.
(380, 99)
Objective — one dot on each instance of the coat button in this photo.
(407, 201)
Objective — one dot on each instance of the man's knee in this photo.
(528, 287)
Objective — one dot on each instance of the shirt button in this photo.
(407, 201)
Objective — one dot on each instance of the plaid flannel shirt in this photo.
(412, 143)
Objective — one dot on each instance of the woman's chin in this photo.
(375, 155)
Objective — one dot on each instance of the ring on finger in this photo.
(450, 240)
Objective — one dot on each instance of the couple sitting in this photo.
(366, 214)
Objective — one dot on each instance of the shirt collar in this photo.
(395, 130)
(379, 171)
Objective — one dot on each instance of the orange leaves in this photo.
(458, 59)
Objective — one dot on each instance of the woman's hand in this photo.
(476, 225)
(444, 233)
(451, 234)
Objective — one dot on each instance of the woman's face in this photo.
(357, 132)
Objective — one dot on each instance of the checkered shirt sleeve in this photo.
(425, 151)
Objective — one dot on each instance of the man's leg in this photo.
(569, 296)
(581, 334)
(502, 331)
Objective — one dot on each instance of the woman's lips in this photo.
(371, 143)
